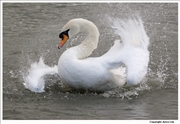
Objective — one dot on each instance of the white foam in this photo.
(34, 80)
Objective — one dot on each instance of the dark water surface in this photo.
(31, 30)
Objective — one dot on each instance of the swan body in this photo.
(80, 72)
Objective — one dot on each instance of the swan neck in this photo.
(90, 42)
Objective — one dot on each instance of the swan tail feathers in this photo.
(131, 32)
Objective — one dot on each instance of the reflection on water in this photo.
(30, 31)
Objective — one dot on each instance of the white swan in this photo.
(80, 72)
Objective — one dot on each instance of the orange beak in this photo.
(63, 41)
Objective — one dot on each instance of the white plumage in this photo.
(80, 72)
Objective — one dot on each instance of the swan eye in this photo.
(61, 35)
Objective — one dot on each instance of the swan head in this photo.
(64, 36)
(69, 30)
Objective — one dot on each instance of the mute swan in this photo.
(80, 72)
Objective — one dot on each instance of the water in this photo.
(30, 32)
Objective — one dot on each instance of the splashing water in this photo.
(34, 80)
